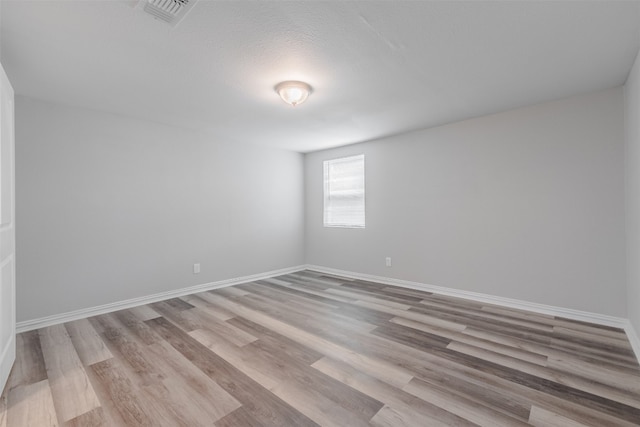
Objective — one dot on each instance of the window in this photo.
(344, 192)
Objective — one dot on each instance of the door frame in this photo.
(7, 230)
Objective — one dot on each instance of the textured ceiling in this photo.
(377, 68)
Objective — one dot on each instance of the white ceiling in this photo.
(377, 68)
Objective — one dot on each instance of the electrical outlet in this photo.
(196, 268)
(388, 261)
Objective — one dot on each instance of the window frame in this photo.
(327, 194)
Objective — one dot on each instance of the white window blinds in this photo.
(344, 192)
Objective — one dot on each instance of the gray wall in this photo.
(526, 204)
(110, 208)
(632, 158)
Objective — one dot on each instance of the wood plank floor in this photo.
(309, 349)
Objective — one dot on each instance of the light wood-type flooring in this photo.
(310, 349)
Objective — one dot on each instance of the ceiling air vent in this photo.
(169, 11)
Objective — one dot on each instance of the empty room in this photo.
(319, 213)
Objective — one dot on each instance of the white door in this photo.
(7, 232)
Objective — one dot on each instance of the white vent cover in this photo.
(169, 11)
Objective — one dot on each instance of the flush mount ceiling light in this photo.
(293, 92)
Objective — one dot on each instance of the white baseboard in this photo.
(55, 319)
(568, 313)
(634, 339)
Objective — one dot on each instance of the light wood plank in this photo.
(412, 315)
(32, 405)
(401, 400)
(560, 377)
(315, 321)
(167, 391)
(596, 372)
(198, 392)
(200, 302)
(120, 393)
(467, 315)
(233, 291)
(388, 372)
(90, 347)
(257, 400)
(94, 418)
(221, 328)
(315, 292)
(465, 408)
(548, 350)
(542, 418)
(72, 392)
(239, 358)
(363, 297)
(405, 417)
(30, 367)
(615, 341)
(317, 407)
(529, 356)
(144, 312)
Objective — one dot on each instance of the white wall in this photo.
(526, 204)
(110, 208)
(632, 186)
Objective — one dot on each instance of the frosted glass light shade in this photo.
(293, 92)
